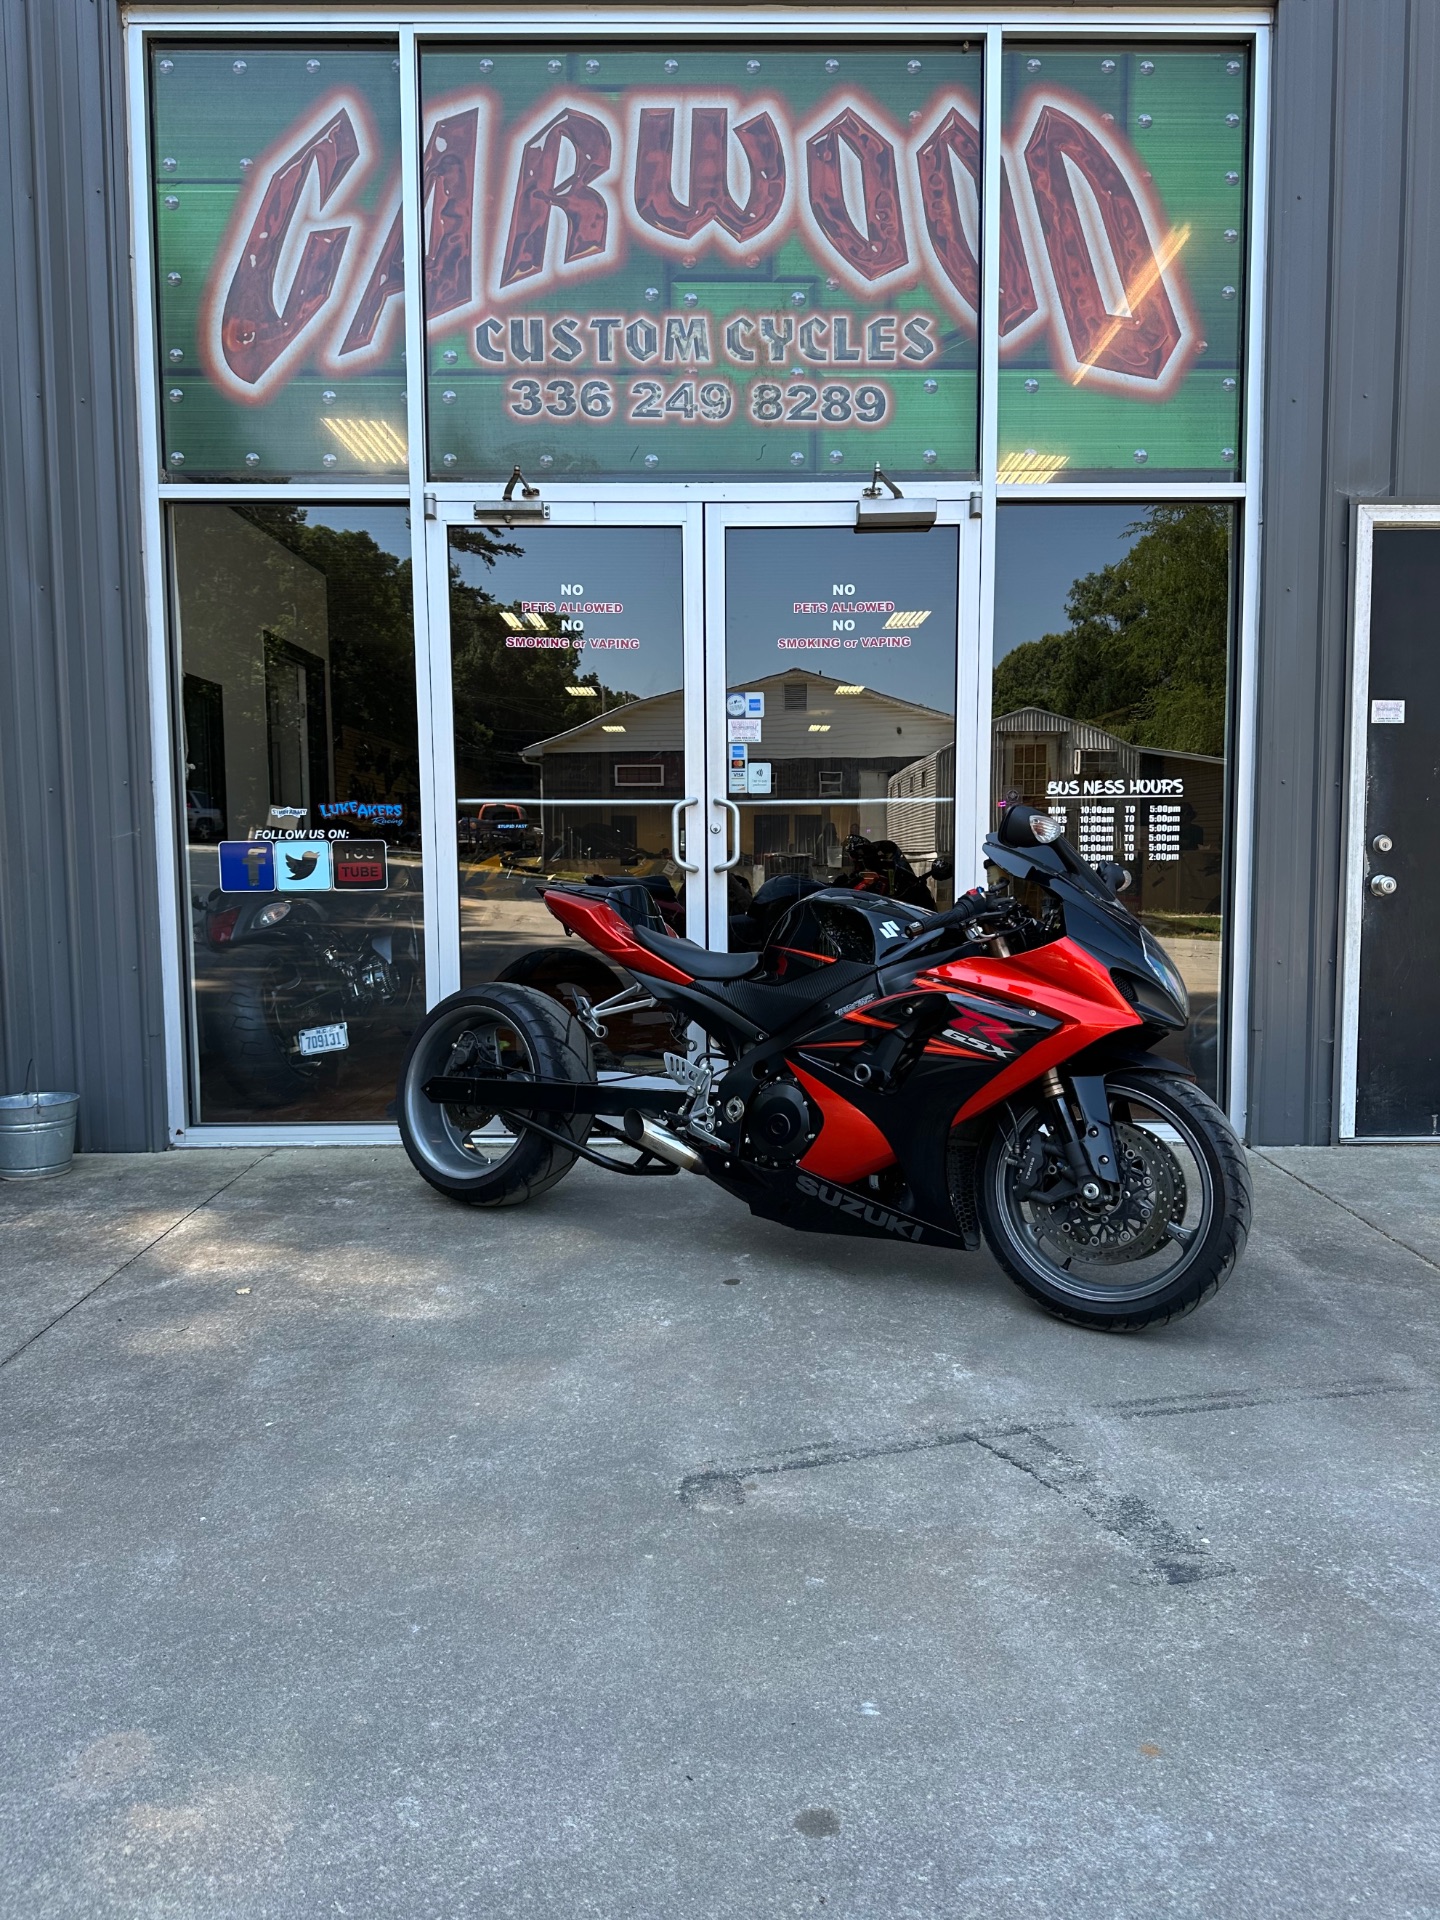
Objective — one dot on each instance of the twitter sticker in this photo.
(302, 866)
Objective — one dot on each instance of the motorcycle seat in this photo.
(699, 962)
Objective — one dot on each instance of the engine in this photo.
(778, 1124)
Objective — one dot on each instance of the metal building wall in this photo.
(79, 967)
(1353, 413)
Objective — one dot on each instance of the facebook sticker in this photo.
(247, 866)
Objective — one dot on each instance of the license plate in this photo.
(324, 1039)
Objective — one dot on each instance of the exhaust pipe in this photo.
(641, 1132)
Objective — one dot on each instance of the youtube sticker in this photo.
(359, 866)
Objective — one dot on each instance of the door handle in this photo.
(685, 866)
(1383, 885)
(730, 807)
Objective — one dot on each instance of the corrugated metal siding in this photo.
(79, 985)
(1353, 413)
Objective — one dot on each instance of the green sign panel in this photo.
(671, 263)
(1122, 247)
(276, 193)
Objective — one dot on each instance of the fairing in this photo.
(899, 1058)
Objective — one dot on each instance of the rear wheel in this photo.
(565, 973)
(469, 1152)
(253, 1003)
(1166, 1240)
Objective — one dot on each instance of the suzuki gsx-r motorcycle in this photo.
(880, 1069)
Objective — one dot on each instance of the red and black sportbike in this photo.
(880, 1069)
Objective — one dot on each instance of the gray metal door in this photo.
(1397, 1019)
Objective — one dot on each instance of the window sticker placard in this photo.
(275, 178)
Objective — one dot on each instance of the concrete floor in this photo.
(627, 1557)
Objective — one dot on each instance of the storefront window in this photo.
(744, 261)
(302, 807)
(840, 665)
(1112, 628)
(275, 181)
(1122, 255)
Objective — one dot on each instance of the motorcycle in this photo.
(285, 985)
(880, 1069)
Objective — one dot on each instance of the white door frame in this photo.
(972, 685)
(1352, 906)
(413, 23)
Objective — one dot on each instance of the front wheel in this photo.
(1163, 1243)
(473, 1153)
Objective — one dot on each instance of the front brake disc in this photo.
(1151, 1201)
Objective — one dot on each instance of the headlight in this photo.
(1165, 970)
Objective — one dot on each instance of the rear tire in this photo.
(246, 1030)
(467, 1153)
(1185, 1219)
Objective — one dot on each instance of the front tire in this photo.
(1170, 1241)
(468, 1153)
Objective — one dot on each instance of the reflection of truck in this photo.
(204, 822)
(499, 826)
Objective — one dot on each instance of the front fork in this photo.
(1088, 1140)
(1086, 1136)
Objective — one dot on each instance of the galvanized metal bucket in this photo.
(37, 1134)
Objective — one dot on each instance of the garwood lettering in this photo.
(512, 215)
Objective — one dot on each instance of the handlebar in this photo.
(980, 915)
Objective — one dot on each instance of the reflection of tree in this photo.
(1145, 652)
(372, 648)
(506, 698)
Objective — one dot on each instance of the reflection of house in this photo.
(1161, 814)
(920, 814)
(820, 744)
(632, 752)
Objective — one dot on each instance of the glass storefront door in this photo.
(574, 732)
(834, 677)
(729, 705)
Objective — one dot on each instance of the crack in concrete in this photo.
(1345, 1207)
(1171, 1558)
(139, 1254)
